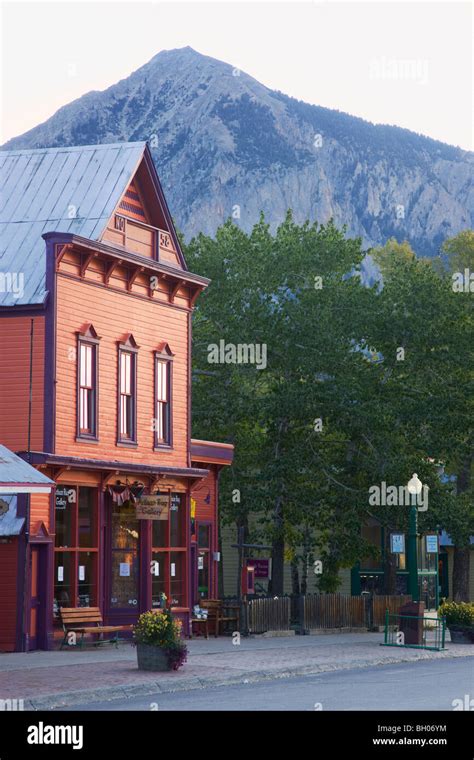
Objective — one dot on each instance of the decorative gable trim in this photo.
(164, 351)
(88, 332)
(128, 343)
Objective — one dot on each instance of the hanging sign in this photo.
(153, 507)
(262, 567)
(432, 544)
(397, 543)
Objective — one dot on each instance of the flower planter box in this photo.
(461, 634)
(152, 658)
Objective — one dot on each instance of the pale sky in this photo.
(405, 63)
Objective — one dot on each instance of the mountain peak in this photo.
(224, 142)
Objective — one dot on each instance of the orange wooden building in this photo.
(96, 306)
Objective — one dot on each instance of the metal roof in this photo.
(72, 189)
(17, 476)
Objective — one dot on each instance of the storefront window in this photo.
(169, 555)
(204, 543)
(177, 520)
(87, 517)
(125, 573)
(63, 579)
(76, 547)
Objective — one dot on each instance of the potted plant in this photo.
(460, 621)
(158, 640)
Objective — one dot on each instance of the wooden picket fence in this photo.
(269, 614)
(382, 603)
(334, 611)
(318, 611)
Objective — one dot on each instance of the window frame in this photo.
(164, 553)
(88, 337)
(165, 356)
(75, 551)
(128, 346)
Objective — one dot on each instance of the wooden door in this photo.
(36, 597)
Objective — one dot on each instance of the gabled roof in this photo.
(72, 190)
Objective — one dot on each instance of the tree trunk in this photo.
(220, 570)
(295, 578)
(462, 554)
(461, 567)
(241, 522)
(275, 586)
(390, 567)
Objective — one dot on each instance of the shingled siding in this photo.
(15, 381)
(113, 315)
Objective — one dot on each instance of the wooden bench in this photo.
(87, 620)
(221, 614)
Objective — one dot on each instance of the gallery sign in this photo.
(65, 495)
(153, 507)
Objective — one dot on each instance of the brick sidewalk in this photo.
(45, 680)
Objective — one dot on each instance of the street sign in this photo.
(432, 544)
(397, 543)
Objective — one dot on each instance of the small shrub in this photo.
(457, 613)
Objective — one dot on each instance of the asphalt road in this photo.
(424, 685)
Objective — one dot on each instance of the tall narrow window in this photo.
(87, 384)
(163, 376)
(127, 387)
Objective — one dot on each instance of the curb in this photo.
(170, 685)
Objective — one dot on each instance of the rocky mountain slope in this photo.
(226, 145)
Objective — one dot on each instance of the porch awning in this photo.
(115, 466)
(17, 476)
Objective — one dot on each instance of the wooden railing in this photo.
(142, 238)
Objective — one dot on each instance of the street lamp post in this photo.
(414, 488)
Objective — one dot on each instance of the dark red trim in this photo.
(215, 453)
(118, 252)
(168, 442)
(128, 348)
(94, 344)
(42, 457)
(49, 424)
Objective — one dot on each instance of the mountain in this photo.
(225, 145)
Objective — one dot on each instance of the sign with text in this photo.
(65, 495)
(432, 544)
(397, 543)
(262, 567)
(153, 507)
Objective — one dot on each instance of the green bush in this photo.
(457, 613)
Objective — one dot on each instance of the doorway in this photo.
(37, 573)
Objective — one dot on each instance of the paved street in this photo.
(52, 680)
(421, 685)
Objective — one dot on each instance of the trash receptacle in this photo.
(411, 622)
